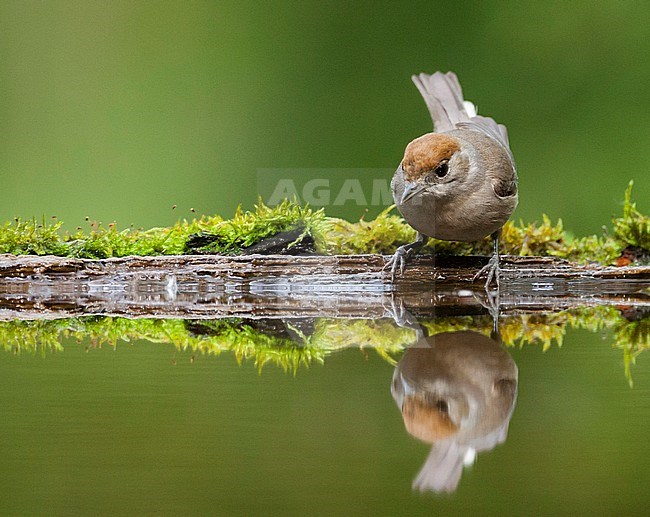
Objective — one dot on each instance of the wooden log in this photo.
(208, 286)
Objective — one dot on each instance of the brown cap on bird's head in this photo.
(425, 153)
(426, 422)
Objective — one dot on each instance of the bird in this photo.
(457, 183)
(456, 391)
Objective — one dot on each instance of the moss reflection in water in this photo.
(292, 343)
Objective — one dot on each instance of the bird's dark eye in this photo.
(442, 169)
(442, 406)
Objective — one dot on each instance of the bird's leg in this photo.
(494, 312)
(403, 253)
(495, 335)
(491, 269)
(403, 318)
(492, 303)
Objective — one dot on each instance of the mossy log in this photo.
(211, 286)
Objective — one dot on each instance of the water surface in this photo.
(297, 416)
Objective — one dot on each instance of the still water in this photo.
(327, 416)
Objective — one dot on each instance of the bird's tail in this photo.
(444, 98)
(442, 469)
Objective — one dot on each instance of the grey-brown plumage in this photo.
(457, 392)
(458, 183)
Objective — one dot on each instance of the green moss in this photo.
(31, 238)
(294, 348)
(632, 338)
(107, 241)
(248, 228)
(381, 235)
(331, 236)
(633, 229)
(232, 335)
(35, 337)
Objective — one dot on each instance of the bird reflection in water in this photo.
(457, 392)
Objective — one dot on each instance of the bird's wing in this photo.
(503, 171)
(488, 126)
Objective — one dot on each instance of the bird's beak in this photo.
(410, 190)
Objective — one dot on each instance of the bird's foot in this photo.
(398, 261)
(493, 272)
(402, 316)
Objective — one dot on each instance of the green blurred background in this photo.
(119, 110)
